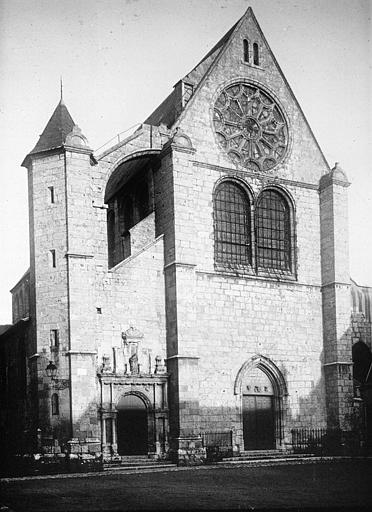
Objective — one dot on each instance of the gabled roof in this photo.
(169, 110)
(56, 130)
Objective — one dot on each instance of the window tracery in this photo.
(263, 245)
(232, 224)
(250, 127)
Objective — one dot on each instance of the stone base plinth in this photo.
(188, 451)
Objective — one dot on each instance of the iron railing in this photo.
(308, 440)
(217, 444)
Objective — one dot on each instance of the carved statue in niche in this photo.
(159, 366)
(133, 364)
(131, 339)
(106, 364)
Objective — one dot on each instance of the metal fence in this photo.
(308, 440)
(218, 444)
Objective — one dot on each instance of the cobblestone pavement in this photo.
(338, 485)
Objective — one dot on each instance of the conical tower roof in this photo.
(56, 130)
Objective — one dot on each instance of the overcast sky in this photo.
(120, 58)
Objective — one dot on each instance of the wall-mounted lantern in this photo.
(51, 370)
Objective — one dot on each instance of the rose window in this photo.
(250, 127)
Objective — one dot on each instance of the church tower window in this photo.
(256, 56)
(246, 50)
(273, 232)
(232, 224)
(55, 404)
(51, 195)
(53, 258)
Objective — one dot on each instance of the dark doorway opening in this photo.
(258, 422)
(132, 428)
(258, 411)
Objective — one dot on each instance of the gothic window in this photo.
(256, 57)
(250, 127)
(273, 232)
(232, 224)
(55, 404)
(246, 50)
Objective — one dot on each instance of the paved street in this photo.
(336, 484)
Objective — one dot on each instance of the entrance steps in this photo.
(136, 463)
(254, 457)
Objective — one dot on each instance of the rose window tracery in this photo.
(250, 127)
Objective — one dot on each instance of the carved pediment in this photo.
(131, 334)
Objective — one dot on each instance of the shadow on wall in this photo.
(312, 407)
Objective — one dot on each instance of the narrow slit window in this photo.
(51, 195)
(54, 338)
(246, 50)
(53, 260)
(55, 404)
(256, 56)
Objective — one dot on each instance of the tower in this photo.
(59, 183)
(336, 298)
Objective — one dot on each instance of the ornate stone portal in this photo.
(250, 127)
(130, 376)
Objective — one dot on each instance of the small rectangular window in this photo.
(99, 311)
(53, 260)
(51, 195)
(54, 338)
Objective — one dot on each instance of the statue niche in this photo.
(131, 339)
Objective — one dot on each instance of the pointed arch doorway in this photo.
(132, 426)
(262, 389)
(258, 411)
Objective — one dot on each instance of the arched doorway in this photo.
(258, 411)
(262, 389)
(132, 427)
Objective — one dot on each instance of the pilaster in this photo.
(336, 298)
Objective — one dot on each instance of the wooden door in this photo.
(258, 422)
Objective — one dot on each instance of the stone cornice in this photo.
(269, 180)
(77, 255)
(81, 353)
(179, 264)
(178, 356)
(114, 378)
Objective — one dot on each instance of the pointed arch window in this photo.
(232, 224)
(256, 56)
(246, 50)
(273, 232)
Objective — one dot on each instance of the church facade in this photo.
(191, 279)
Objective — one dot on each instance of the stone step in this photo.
(264, 452)
(134, 457)
(138, 467)
(277, 461)
(135, 463)
(266, 456)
